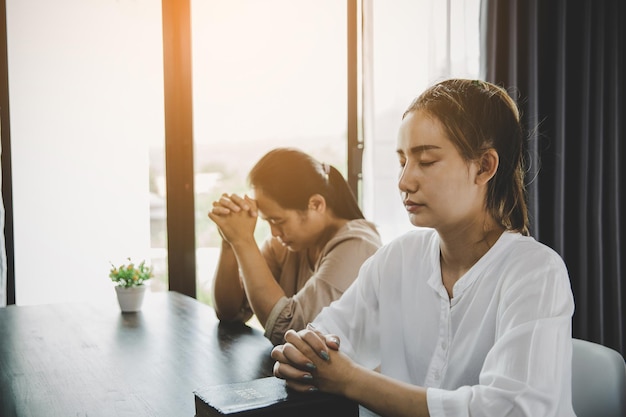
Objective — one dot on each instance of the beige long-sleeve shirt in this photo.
(307, 289)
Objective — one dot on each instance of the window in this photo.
(408, 44)
(267, 74)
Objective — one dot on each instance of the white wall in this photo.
(86, 99)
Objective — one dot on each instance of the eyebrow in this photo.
(418, 149)
(269, 219)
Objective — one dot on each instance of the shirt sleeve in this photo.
(336, 271)
(354, 318)
(527, 372)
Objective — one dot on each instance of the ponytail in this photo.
(340, 198)
(290, 177)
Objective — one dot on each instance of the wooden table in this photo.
(81, 360)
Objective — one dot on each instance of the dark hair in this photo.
(477, 115)
(290, 177)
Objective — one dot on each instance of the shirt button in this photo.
(437, 375)
(444, 345)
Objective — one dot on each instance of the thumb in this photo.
(332, 341)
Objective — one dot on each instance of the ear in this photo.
(317, 203)
(487, 166)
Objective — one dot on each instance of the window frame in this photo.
(179, 135)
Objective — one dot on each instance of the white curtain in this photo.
(407, 46)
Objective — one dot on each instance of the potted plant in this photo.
(129, 282)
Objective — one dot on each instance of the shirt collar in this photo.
(474, 272)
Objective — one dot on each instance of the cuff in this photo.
(443, 403)
(434, 402)
(271, 319)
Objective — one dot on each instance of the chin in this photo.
(292, 248)
(417, 222)
(413, 219)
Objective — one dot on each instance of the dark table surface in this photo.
(90, 360)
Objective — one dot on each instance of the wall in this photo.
(85, 82)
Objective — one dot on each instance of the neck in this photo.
(329, 231)
(462, 248)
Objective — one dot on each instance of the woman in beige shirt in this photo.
(319, 241)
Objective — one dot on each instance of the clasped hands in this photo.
(235, 216)
(311, 361)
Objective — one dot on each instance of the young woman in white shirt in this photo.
(467, 315)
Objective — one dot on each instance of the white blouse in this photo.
(501, 346)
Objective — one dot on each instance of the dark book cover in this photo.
(269, 397)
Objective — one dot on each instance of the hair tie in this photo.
(326, 169)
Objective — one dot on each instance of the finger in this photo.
(295, 379)
(217, 218)
(296, 358)
(278, 349)
(219, 210)
(226, 201)
(317, 343)
(308, 342)
(297, 386)
(332, 341)
(253, 207)
(241, 203)
(288, 372)
(277, 353)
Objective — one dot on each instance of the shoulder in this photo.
(415, 242)
(272, 249)
(405, 262)
(527, 266)
(533, 283)
(359, 228)
(356, 241)
(527, 254)
(357, 232)
(416, 248)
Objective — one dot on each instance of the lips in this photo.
(412, 206)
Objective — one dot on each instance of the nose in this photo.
(407, 180)
(276, 232)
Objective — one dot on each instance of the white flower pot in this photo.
(130, 299)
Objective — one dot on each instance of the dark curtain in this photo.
(564, 63)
